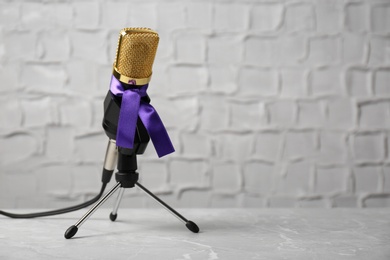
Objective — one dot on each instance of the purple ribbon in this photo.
(133, 106)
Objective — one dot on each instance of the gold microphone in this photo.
(135, 55)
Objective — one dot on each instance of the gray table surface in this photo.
(225, 234)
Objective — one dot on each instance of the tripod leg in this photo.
(114, 212)
(72, 230)
(189, 224)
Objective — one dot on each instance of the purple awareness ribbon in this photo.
(132, 106)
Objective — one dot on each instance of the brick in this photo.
(247, 116)
(357, 17)
(345, 201)
(8, 76)
(168, 110)
(296, 181)
(379, 54)
(226, 178)
(252, 201)
(82, 82)
(190, 48)
(153, 175)
(11, 115)
(340, 113)
(77, 114)
(329, 15)
(354, 48)
(87, 15)
(324, 50)
(113, 37)
(61, 15)
(311, 114)
(41, 77)
(197, 21)
(218, 201)
(374, 115)
(187, 79)
(332, 147)
(282, 112)
(261, 51)
(195, 199)
(10, 185)
(258, 82)
(292, 50)
(380, 21)
(293, 83)
(325, 82)
(234, 147)
(270, 51)
(379, 201)
(104, 78)
(35, 16)
(282, 202)
(299, 17)
(90, 148)
(268, 146)
(223, 78)
(196, 145)
(386, 178)
(54, 179)
(331, 180)
(85, 179)
(358, 82)
(56, 46)
(300, 144)
(97, 113)
(381, 80)
(143, 15)
(171, 16)
(165, 46)
(220, 45)
(115, 15)
(313, 203)
(184, 174)
(231, 16)
(214, 114)
(366, 179)
(368, 147)
(59, 145)
(266, 17)
(37, 112)
(20, 46)
(17, 147)
(9, 15)
(259, 178)
(89, 46)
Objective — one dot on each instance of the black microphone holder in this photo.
(125, 161)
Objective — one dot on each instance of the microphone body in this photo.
(128, 116)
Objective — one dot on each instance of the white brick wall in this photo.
(269, 104)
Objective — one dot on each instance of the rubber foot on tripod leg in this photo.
(71, 231)
(113, 216)
(192, 226)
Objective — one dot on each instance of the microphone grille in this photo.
(136, 51)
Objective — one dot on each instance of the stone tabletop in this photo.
(225, 234)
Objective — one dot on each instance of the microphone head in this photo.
(135, 55)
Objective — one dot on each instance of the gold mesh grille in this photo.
(136, 51)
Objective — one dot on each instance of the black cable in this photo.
(58, 211)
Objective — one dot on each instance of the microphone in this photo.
(132, 72)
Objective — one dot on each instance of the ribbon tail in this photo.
(128, 119)
(156, 130)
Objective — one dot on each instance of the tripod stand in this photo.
(126, 162)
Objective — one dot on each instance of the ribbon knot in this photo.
(133, 107)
